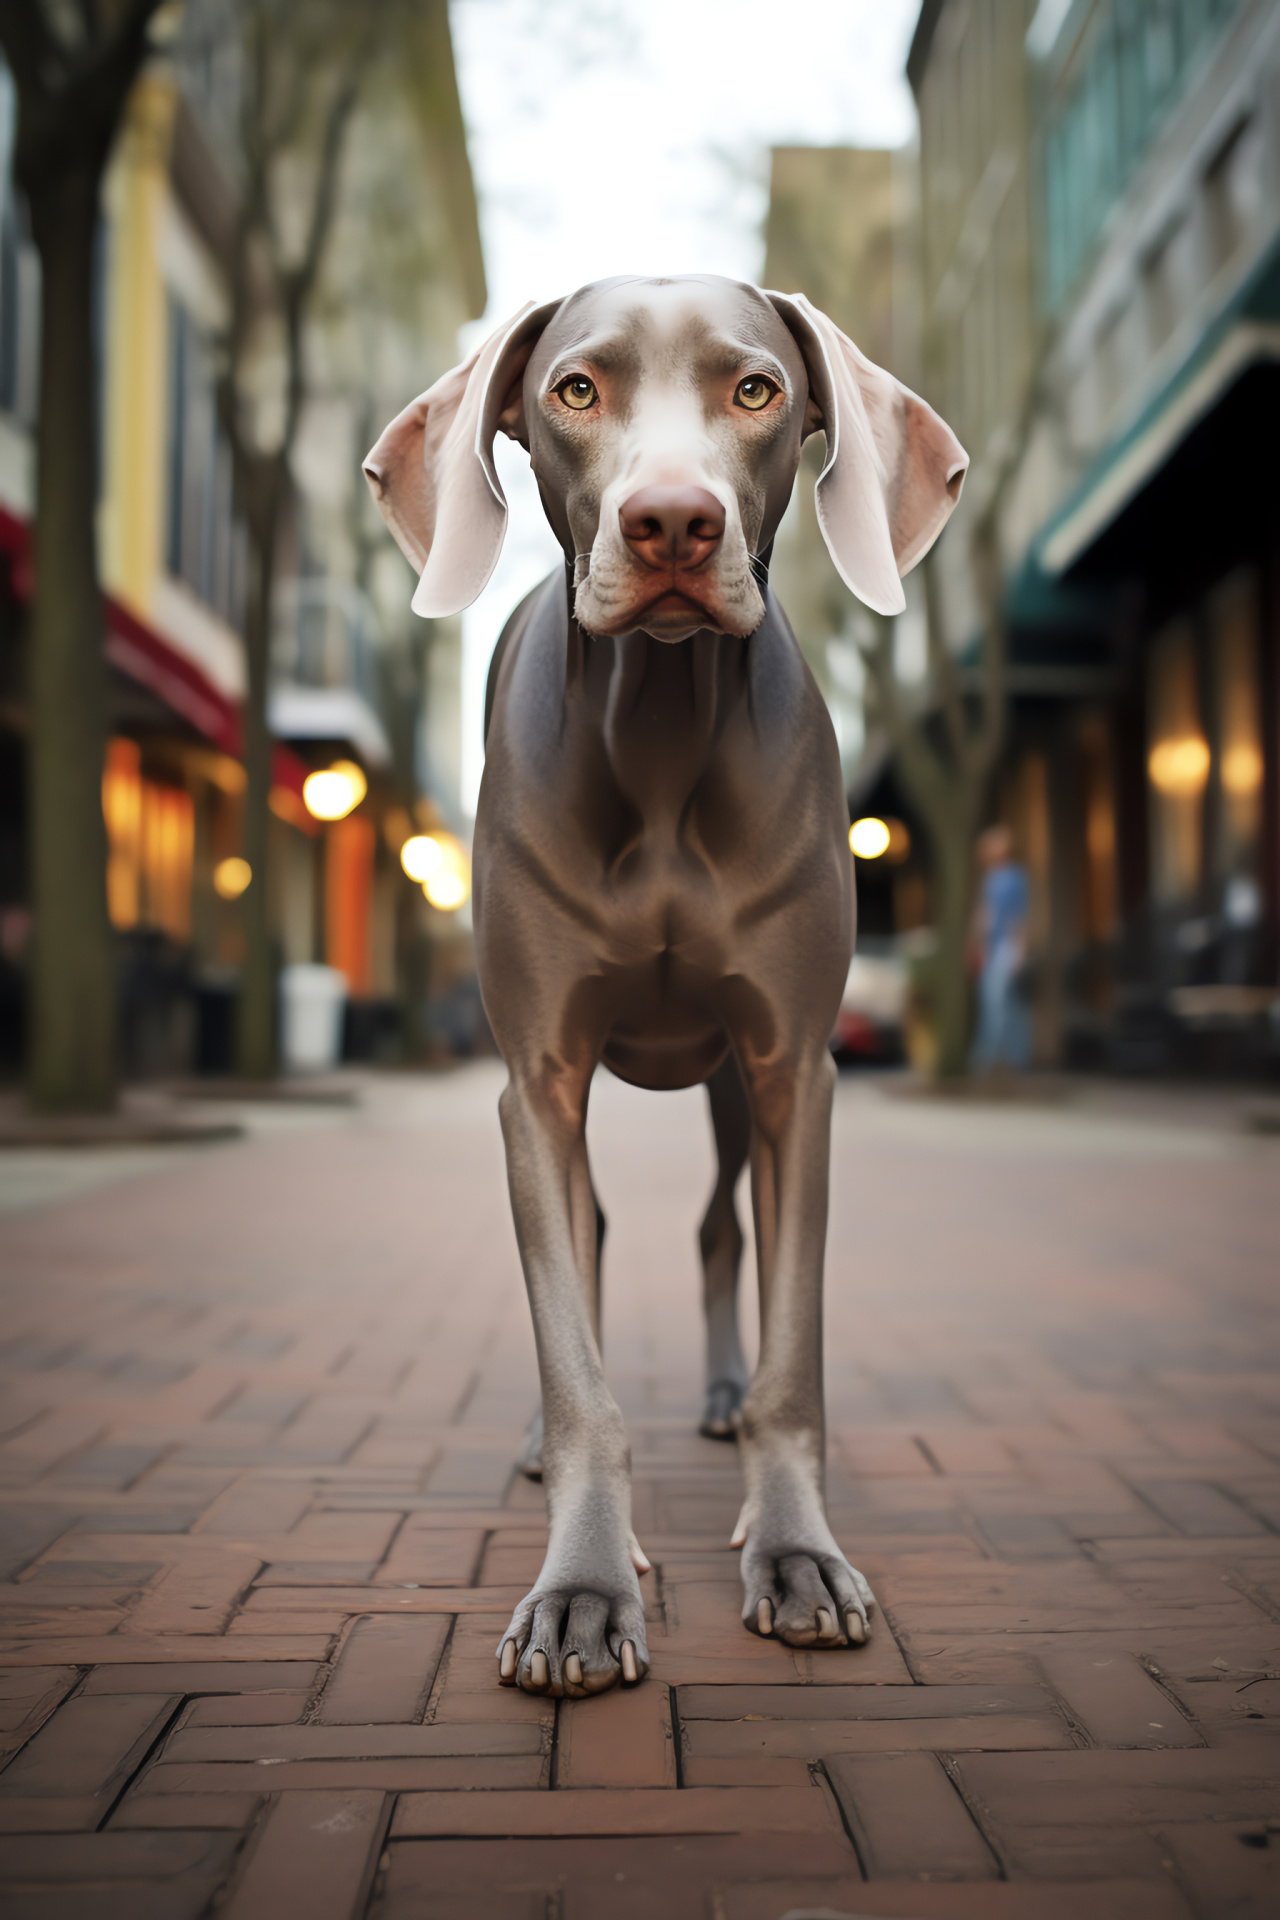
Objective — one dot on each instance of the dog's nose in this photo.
(672, 526)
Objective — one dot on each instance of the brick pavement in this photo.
(261, 1531)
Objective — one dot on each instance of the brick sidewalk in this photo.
(261, 1532)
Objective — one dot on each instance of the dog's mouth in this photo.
(671, 613)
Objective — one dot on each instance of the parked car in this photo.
(870, 1024)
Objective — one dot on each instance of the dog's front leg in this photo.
(796, 1581)
(582, 1626)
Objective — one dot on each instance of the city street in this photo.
(262, 1528)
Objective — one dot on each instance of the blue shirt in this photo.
(1004, 903)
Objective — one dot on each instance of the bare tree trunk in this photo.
(945, 759)
(72, 1062)
(256, 1019)
(72, 72)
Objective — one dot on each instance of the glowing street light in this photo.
(447, 891)
(869, 838)
(421, 856)
(1179, 767)
(332, 794)
(439, 860)
(231, 877)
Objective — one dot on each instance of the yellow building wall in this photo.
(131, 517)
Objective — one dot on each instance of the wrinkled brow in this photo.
(608, 352)
(727, 357)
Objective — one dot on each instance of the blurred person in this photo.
(1000, 950)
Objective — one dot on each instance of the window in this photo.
(1237, 718)
(1134, 65)
(1177, 765)
(204, 541)
(150, 841)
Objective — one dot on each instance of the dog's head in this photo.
(664, 420)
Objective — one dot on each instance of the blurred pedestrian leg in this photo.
(1004, 1018)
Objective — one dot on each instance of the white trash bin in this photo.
(312, 1000)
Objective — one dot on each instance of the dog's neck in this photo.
(656, 706)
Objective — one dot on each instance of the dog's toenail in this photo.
(507, 1662)
(573, 1670)
(539, 1671)
(764, 1616)
(627, 1655)
(856, 1627)
(826, 1625)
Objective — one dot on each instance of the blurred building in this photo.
(355, 677)
(1100, 249)
(841, 230)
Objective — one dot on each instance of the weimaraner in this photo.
(663, 877)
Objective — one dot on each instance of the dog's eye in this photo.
(578, 392)
(754, 392)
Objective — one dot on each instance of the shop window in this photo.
(348, 888)
(1177, 765)
(1099, 865)
(122, 811)
(1237, 711)
(150, 842)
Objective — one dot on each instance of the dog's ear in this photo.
(432, 471)
(893, 470)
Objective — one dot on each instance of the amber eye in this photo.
(578, 392)
(754, 392)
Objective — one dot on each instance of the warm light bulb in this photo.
(448, 885)
(421, 856)
(231, 877)
(869, 838)
(446, 890)
(1179, 767)
(1242, 770)
(332, 794)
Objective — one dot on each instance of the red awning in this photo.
(139, 651)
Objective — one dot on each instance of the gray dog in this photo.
(663, 879)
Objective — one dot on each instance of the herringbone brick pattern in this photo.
(261, 1531)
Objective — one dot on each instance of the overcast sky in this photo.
(634, 138)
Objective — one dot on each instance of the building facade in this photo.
(351, 677)
(1100, 220)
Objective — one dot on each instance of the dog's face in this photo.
(664, 420)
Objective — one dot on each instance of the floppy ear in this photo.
(432, 471)
(893, 471)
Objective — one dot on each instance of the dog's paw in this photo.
(722, 1414)
(571, 1643)
(808, 1599)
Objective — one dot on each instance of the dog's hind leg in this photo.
(530, 1461)
(720, 1242)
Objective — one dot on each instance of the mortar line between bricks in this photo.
(360, 1438)
(1155, 1674)
(1075, 1725)
(145, 1761)
(150, 1467)
(330, 1666)
(440, 1676)
(553, 1766)
(364, 1898)
(886, 1616)
(677, 1735)
(951, 1767)
(1254, 1594)
(468, 1395)
(822, 1779)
